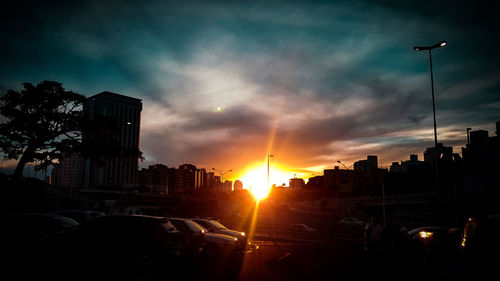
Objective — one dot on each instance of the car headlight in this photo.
(243, 234)
(425, 234)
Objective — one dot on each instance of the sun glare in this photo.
(255, 179)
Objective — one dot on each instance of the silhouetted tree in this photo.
(40, 124)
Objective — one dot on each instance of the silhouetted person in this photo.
(390, 241)
(373, 237)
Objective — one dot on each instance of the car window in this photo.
(217, 224)
(194, 227)
(200, 226)
(205, 225)
(179, 225)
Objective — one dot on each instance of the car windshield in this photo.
(217, 224)
(195, 227)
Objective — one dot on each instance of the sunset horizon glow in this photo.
(254, 178)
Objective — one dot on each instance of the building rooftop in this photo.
(113, 95)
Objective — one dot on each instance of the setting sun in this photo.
(255, 179)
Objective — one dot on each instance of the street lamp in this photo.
(429, 48)
(221, 172)
(268, 156)
(340, 162)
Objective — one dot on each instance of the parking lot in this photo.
(280, 251)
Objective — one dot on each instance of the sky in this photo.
(224, 84)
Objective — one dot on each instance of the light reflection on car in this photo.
(432, 243)
(214, 226)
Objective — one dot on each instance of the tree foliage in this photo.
(39, 124)
(45, 123)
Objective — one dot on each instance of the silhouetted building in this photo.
(410, 176)
(217, 184)
(430, 153)
(227, 186)
(171, 179)
(316, 182)
(238, 185)
(449, 168)
(405, 165)
(339, 180)
(185, 178)
(200, 180)
(481, 159)
(210, 183)
(155, 178)
(368, 166)
(297, 183)
(119, 171)
(368, 178)
(67, 173)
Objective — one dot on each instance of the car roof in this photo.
(144, 218)
(54, 217)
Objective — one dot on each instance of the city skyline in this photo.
(312, 83)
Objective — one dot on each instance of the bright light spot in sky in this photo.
(255, 178)
(218, 109)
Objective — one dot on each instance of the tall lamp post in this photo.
(268, 156)
(429, 48)
(221, 172)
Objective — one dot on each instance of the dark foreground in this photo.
(337, 259)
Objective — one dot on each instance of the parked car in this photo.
(121, 246)
(79, 215)
(432, 243)
(213, 226)
(480, 245)
(193, 233)
(30, 228)
(221, 245)
(301, 227)
(23, 239)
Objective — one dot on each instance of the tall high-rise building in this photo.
(185, 178)
(118, 171)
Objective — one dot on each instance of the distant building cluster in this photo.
(186, 178)
(475, 172)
